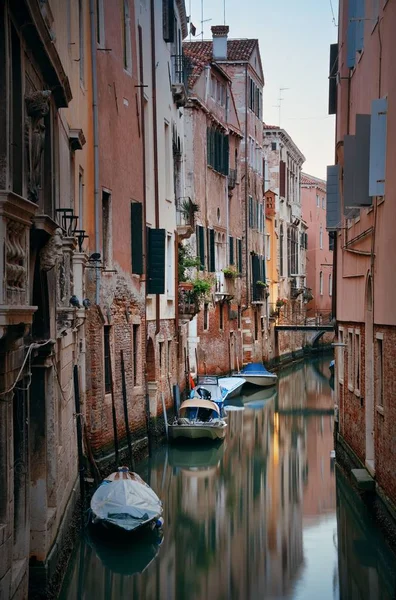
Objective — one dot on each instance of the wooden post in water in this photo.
(113, 410)
(125, 402)
(148, 423)
(79, 433)
(165, 416)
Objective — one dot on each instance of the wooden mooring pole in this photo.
(126, 418)
(81, 466)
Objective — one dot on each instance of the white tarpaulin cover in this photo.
(126, 503)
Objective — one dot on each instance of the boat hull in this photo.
(197, 432)
(232, 385)
(261, 380)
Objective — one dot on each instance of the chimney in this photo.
(220, 34)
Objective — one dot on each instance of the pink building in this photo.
(362, 212)
(319, 267)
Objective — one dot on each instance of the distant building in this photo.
(319, 281)
(361, 214)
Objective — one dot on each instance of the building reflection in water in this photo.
(254, 517)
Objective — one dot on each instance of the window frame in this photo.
(350, 347)
(357, 363)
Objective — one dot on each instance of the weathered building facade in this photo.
(360, 213)
(319, 281)
(225, 122)
(283, 163)
(45, 133)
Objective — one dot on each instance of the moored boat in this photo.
(124, 501)
(198, 419)
(257, 374)
(331, 367)
(217, 389)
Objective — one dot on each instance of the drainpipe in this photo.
(155, 135)
(246, 187)
(95, 139)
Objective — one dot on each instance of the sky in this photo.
(294, 38)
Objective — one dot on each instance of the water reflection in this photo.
(254, 517)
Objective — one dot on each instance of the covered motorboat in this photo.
(217, 389)
(198, 419)
(124, 501)
(257, 374)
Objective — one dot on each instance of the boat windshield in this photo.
(200, 414)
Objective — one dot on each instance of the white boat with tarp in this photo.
(124, 501)
(217, 389)
(198, 419)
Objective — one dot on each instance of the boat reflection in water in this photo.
(255, 517)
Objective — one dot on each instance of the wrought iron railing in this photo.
(181, 69)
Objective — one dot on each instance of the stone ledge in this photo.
(363, 480)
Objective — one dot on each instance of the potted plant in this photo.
(261, 284)
(230, 272)
(281, 302)
(186, 261)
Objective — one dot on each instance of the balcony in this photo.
(259, 293)
(181, 70)
(188, 304)
(186, 210)
(16, 217)
(295, 291)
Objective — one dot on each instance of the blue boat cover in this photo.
(255, 369)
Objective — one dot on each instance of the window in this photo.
(169, 266)
(273, 146)
(317, 200)
(81, 37)
(136, 352)
(254, 98)
(239, 318)
(81, 198)
(341, 350)
(107, 358)
(321, 283)
(239, 256)
(168, 162)
(357, 363)
(251, 218)
(99, 22)
(268, 246)
(350, 360)
(17, 134)
(126, 36)
(161, 355)
(321, 238)
(255, 325)
(281, 242)
(331, 241)
(221, 317)
(168, 20)
(217, 150)
(380, 369)
(206, 317)
(137, 237)
(324, 203)
(330, 284)
(107, 238)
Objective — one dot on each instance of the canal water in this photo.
(265, 515)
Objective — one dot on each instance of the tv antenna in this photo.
(279, 106)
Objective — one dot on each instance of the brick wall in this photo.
(384, 421)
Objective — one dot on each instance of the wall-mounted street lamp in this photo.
(81, 236)
(68, 220)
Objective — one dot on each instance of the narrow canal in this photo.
(267, 514)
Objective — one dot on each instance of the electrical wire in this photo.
(30, 348)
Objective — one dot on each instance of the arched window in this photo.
(321, 283)
(321, 237)
(330, 284)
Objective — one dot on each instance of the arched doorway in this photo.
(369, 374)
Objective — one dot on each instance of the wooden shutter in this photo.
(255, 275)
(333, 210)
(231, 244)
(201, 246)
(360, 16)
(250, 211)
(282, 178)
(377, 161)
(351, 34)
(362, 165)
(168, 20)
(137, 237)
(212, 255)
(333, 79)
(226, 154)
(239, 244)
(156, 261)
(349, 170)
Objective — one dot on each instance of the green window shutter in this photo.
(168, 20)
(137, 237)
(231, 242)
(156, 261)
(240, 256)
(212, 261)
(226, 154)
(201, 246)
